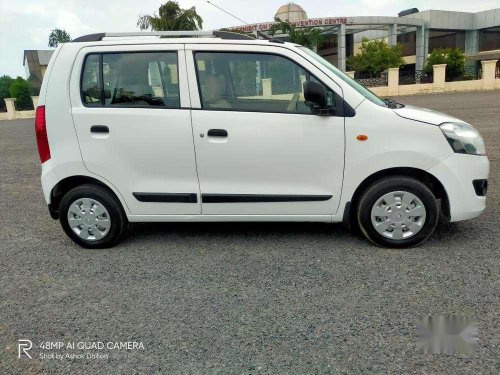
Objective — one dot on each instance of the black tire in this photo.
(117, 217)
(390, 184)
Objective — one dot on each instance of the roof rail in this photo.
(208, 34)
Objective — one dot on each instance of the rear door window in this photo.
(133, 79)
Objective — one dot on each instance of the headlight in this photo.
(463, 138)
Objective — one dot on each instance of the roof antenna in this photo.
(225, 11)
(256, 32)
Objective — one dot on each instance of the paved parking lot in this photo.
(243, 298)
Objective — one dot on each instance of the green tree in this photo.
(57, 36)
(5, 82)
(454, 58)
(171, 17)
(375, 56)
(20, 89)
(307, 37)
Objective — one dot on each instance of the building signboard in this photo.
(329, 21)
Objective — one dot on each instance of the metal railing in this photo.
(411, 78)
(368, 81)
(472, 71)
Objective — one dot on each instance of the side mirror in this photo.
(315, 95)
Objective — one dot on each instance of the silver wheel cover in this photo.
(89, 219)
(398, 215)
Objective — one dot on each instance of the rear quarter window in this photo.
(91, 81)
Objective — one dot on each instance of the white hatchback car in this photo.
(138, 128)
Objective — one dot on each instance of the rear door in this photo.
(129, 111)
(260, 149)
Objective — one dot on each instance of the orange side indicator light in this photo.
(362, 137)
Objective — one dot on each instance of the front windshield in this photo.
(344, 77)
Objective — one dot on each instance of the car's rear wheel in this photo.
(92, 217)
(397, 211)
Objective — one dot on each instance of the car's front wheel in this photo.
(92, 216)
(397, 211)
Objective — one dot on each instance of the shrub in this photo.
(20, 89)
(437, 56)
(455, 63)
(24, 102)
(375, 57)
(453, 58)
(5, 82)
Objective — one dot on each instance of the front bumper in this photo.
(457, 174)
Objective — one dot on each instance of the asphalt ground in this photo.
(245, 298)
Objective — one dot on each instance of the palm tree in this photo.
(57, 36)
(309, 38)
(171, 17)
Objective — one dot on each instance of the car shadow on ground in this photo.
(336, 232)
(238, 229)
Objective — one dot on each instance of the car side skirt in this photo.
(229, 218)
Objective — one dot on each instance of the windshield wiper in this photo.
(391, 103)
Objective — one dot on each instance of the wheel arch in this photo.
(68, 183)
(425, 177)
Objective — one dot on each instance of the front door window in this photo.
(254, 82)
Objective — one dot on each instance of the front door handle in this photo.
(99, 129)
(217, 133)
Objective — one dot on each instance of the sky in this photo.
(26, 24)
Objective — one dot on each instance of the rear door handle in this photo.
(99, 129)
(217, 133)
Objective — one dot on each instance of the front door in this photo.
(131, 129)
(260, 149)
